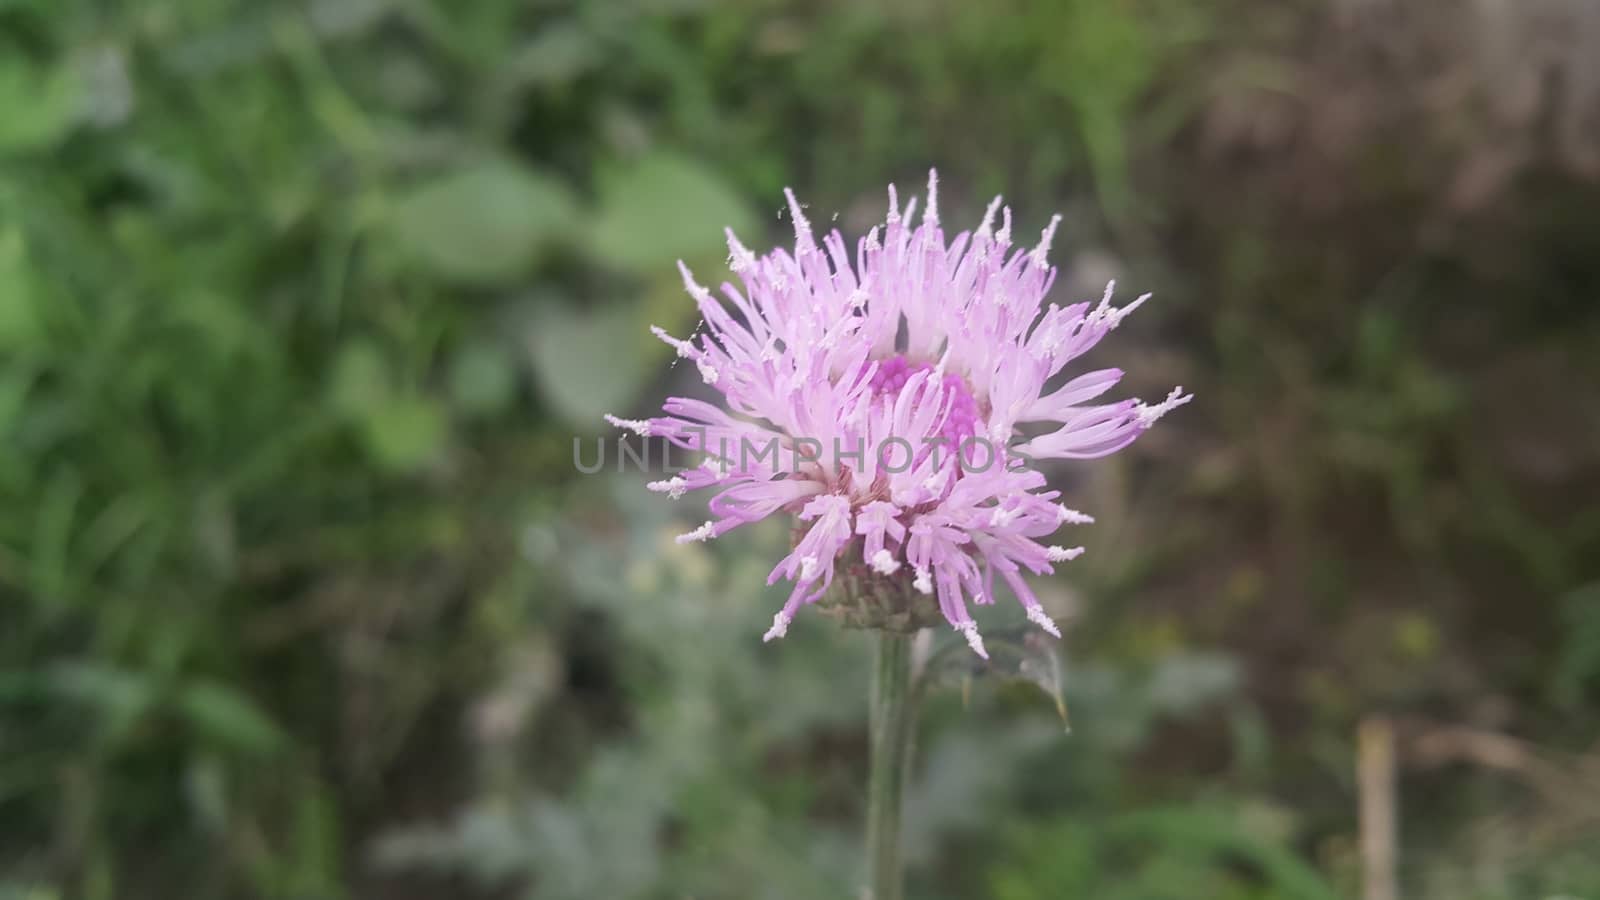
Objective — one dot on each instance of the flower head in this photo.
(878, 397)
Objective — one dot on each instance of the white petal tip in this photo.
(696, 289)
(1148, 415)
(803, 238)
(1039, 617)
(780, 627)
(1004, 237)
(884, 563)
(683, 348)
(641, 427)
(1041, 253)
(969, 630)
(1063, 554)
(700, 535)
(740, 258)
(986, 228)
(673, 487)
(1073, 517)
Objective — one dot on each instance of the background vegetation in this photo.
(301, 305)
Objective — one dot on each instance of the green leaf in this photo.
(663, 208)
(406, 432)
(19, 319)
(1026, 655)
(484, 224)
(557, 56)
(14, 387)
(401, 432)
(111, 691)
(483, 379)
(41, 104)
(360, 380)
(1218, 832)
(228, 717)
(585, 363)
(54, 576)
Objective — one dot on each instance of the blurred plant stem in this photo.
(893, 710)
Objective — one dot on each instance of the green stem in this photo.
(892, 715)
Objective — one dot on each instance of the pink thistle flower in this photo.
(877, 398)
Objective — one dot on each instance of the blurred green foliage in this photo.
(301, 305)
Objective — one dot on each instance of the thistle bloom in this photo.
(892, 385)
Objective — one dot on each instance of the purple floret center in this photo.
(964, 417)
